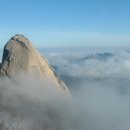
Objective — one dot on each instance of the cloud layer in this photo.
(100, 95)
(101, 86)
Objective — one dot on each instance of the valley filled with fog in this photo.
(99, 83)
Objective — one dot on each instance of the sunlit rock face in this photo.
(19, 56)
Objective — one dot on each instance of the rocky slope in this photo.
(19, 56)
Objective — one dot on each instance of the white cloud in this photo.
(100, 95)
(101, 89)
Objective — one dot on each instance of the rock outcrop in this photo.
(19, 56)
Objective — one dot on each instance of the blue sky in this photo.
(62, 23)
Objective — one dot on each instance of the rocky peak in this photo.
(20, 40)
(19, 56)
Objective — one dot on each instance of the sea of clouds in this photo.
(99, 87)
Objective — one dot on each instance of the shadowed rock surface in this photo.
(19, 56)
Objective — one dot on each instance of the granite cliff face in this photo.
(19, 56)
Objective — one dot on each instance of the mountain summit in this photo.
(19, 56)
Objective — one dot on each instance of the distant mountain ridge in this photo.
(98, 56)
